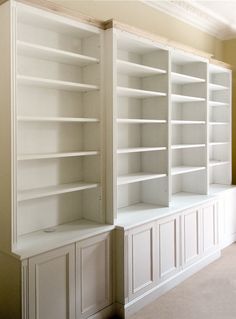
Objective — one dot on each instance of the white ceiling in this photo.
(216, 17)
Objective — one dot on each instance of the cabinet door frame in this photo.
(187, 262)
(35, 262)
(132, 291)
(80, 246)
(176, 219)
(214, 205)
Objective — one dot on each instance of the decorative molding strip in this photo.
(196, 15)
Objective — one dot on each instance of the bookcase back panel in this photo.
(220, 152)
(45, 35)
(188, 134)
(142, 135)
(148, 192)
(219, 114)
(57, 137)
(44, 173)
(189, 157)
(47, 212)
(189, 111)
(149, 162)
(219, 133)
(194, 182)
(182, 66)
(220, 174)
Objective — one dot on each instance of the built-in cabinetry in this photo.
(102, 128)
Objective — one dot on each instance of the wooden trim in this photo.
(125, 27)
(221, 64)
(60, 10)
(164, 41)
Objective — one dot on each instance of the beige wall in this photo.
(140, 15)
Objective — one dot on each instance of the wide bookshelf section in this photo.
(219, 125)
(188, 123)
(58, 122)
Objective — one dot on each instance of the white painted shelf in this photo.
(183, 122)
(219, 123)
(137, 177)
(216, 163)
(46, 53)
(185, 98)
(26, 157)
(140, 121)
(186, 169)
(137, 93)
(217, 87)
(56, 119)
(134, 69)
(179, 78)
(217, 103)
(55, 84)
(182, 146)
(140, 149)
(218, 143)
(54, 190)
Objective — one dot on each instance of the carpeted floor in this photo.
(209, 294)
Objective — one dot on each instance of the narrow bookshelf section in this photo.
(219, 125)
(59, 119)
(140, 115)
(188, 123)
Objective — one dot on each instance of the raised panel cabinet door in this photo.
(191, 236)
(229, 199)
(52, 284)
(210, 228)
(142, 270)
(168, 247)
(93, 275)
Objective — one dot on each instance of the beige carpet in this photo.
(209, 294)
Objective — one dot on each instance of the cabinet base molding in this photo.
(228, 241)
(140, 302)
(108, 312)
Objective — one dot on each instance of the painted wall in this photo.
(140, 15)
(229, 56)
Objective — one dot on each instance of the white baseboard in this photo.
(228, 241)
(108, 312)
(138, 303)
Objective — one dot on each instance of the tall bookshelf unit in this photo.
(138, 108)
(58, 149)
(220, 144)
(188, 123)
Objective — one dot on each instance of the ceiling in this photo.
(217, 18)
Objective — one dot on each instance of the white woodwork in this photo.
(52, 278)
(142, 260)
(191, 236)
(168, 247)
(93, 275)
(210, 228)
(220, 161)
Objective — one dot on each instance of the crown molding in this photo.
(196, 15)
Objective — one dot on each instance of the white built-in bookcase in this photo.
(102, 123)
(59, 101)
(188, 123)
(219, 125)
(162, 124)
(138, 148)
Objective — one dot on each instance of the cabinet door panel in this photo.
(191, 236)
(52, 284)
(168, 234)
(210, 237)
(94, 284)
(142, 271)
